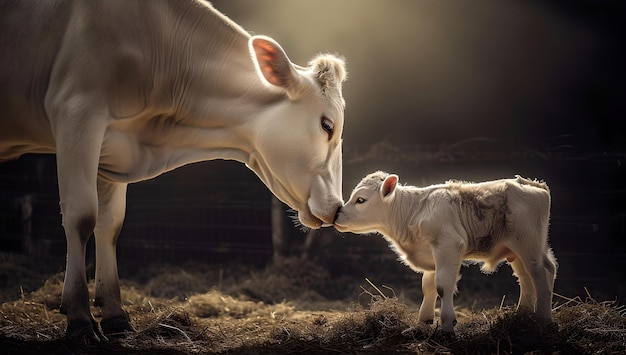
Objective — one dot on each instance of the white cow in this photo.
(123, 91)
(433, 229)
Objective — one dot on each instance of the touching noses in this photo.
(329, 220)
(337, 214)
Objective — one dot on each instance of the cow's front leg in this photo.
(78, 151)
(111, 211)
(427, 309)
(447, 265)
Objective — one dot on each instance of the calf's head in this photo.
(369, 204)
(298, 140)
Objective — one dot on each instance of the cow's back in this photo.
(31, 34)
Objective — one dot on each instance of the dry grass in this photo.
(230, 321)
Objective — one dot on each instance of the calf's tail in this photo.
(540, 184)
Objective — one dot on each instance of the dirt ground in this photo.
(291, 306)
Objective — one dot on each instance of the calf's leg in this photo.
(546, 290)
(542, 270)
(447, 266)
(527, 296)
(427, 309)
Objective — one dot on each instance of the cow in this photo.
(122, 91)
(434, 229)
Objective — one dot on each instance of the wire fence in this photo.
(189, 217)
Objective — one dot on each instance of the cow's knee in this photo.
(79, 219)
(85, 225)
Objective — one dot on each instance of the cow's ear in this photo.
(273, 65)
(388, 188)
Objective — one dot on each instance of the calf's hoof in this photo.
(445, 337)
(448, 328)
(543, 319)
(117, 326)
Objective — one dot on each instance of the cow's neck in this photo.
(220, 94)
(205, 99)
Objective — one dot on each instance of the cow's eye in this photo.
(359, 200)
(328, 126)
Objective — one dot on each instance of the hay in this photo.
(225, 318)
(215, 304)
(386, 325)
(593, 324)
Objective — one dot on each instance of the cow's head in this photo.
(298, 139)
(366, 211)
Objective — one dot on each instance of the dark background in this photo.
(437, 90)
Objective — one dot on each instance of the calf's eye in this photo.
(359, 200)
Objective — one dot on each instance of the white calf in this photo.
(433, 229)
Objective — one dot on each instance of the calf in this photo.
(433, 229)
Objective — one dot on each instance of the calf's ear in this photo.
(388, 188)
(273, 65)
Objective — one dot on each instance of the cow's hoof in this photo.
(82, 333)
(116, 327)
